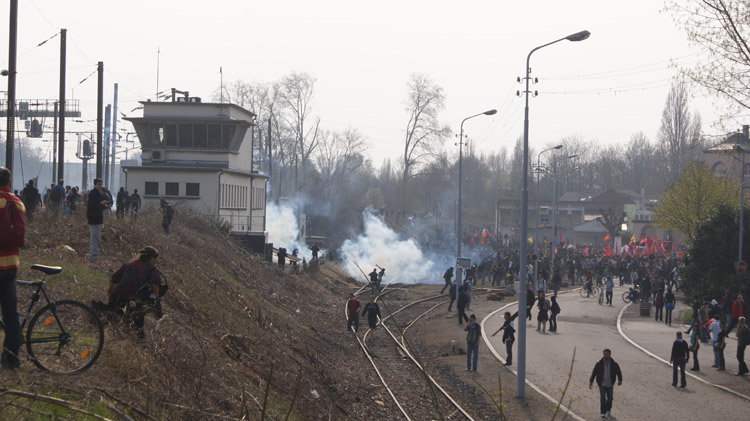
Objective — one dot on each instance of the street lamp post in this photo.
(521, 378)
(536, 229)
(459, 279)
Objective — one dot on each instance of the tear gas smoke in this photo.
(282, 227)
(379, 245)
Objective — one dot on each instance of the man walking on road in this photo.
(743, 339)
(605, 372)
(472, 342)
(97, 203)
(680, 357)
(610, 286)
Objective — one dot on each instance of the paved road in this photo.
(646, 392)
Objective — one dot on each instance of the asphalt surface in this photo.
(646, 392)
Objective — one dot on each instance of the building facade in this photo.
(199, 155)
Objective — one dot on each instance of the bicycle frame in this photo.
(34, 298)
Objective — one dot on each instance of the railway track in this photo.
(398, 365)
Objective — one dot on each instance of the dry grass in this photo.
(229, 317)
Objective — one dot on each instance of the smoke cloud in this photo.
(379, 245)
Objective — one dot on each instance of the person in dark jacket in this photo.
(452, 292)
(97, 203)
(372, 309)
(461, 302)
(743, 340)
(606, 371)
(352, 313)
(554, 311)
(31, 199)
(530, 300)
(508, 335)
(137, 280)
(680, 357)
(668, 307)
(123, 202)
(448, 275)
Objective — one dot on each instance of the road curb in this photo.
(651, 354)
(565, 409)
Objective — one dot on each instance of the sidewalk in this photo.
(658, 337)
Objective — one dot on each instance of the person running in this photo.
(352, 314)
(461, 304)
(372, 309)
(452, 292)
(447, 276)
(743, 339)
(530, 300)
(606, 372)
(508, 335)
(678, 359)
(472, 343)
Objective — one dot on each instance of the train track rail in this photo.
(398, 365)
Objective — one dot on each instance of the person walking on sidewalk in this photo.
(720, 344)
(680, 357)
(659, 305)
(738, 309)
(508, 335)
(554, 311)
(695, 344)
(743, 339)
(668, 307)
(352, 310)
(606, 371)
(472, 342)
(715, 328)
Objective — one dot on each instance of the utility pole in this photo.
(270, 161)
(54, 145)
(99, 118)
(61, 114)
(11, 116)
(113, 142)
(107, 123)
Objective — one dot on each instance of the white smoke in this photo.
(379, 245)
(282, 227)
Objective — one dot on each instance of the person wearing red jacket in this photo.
(738, 308)
(8, 273)
(352, 314)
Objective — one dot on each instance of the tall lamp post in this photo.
(742, 150)
(459, 278)
(536, 229)
(521, 378)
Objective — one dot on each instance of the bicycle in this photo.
(601, 296)
(64, 336)
(632, 295)
(594, 292)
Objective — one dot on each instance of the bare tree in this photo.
(295, 95)
(339, 154)
(424, 131)
(721, 28)
(678, 133)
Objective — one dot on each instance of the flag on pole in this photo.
(485, 233)
(586, 251)
(606, 237)
(531, 239)
(632, 238)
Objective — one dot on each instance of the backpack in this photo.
(12, 226)
(546, 305)
(659, 300)
(55, 195)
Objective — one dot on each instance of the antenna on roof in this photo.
(221, 86)
(158, 56)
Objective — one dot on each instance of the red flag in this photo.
(485, 233)
(642, 240)
(606, 237)
(561, 240)
(607, 250)
(586, 251)
(624, 251)
(639, 253)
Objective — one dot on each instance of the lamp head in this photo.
(558, 147)
(578, 36)
(575, 155)
(490, 112)
(739, 148)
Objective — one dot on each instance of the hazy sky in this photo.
(362, 53)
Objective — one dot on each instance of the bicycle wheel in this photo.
(626, 296)
(64, 337)
(595, 292)
(601, 298)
